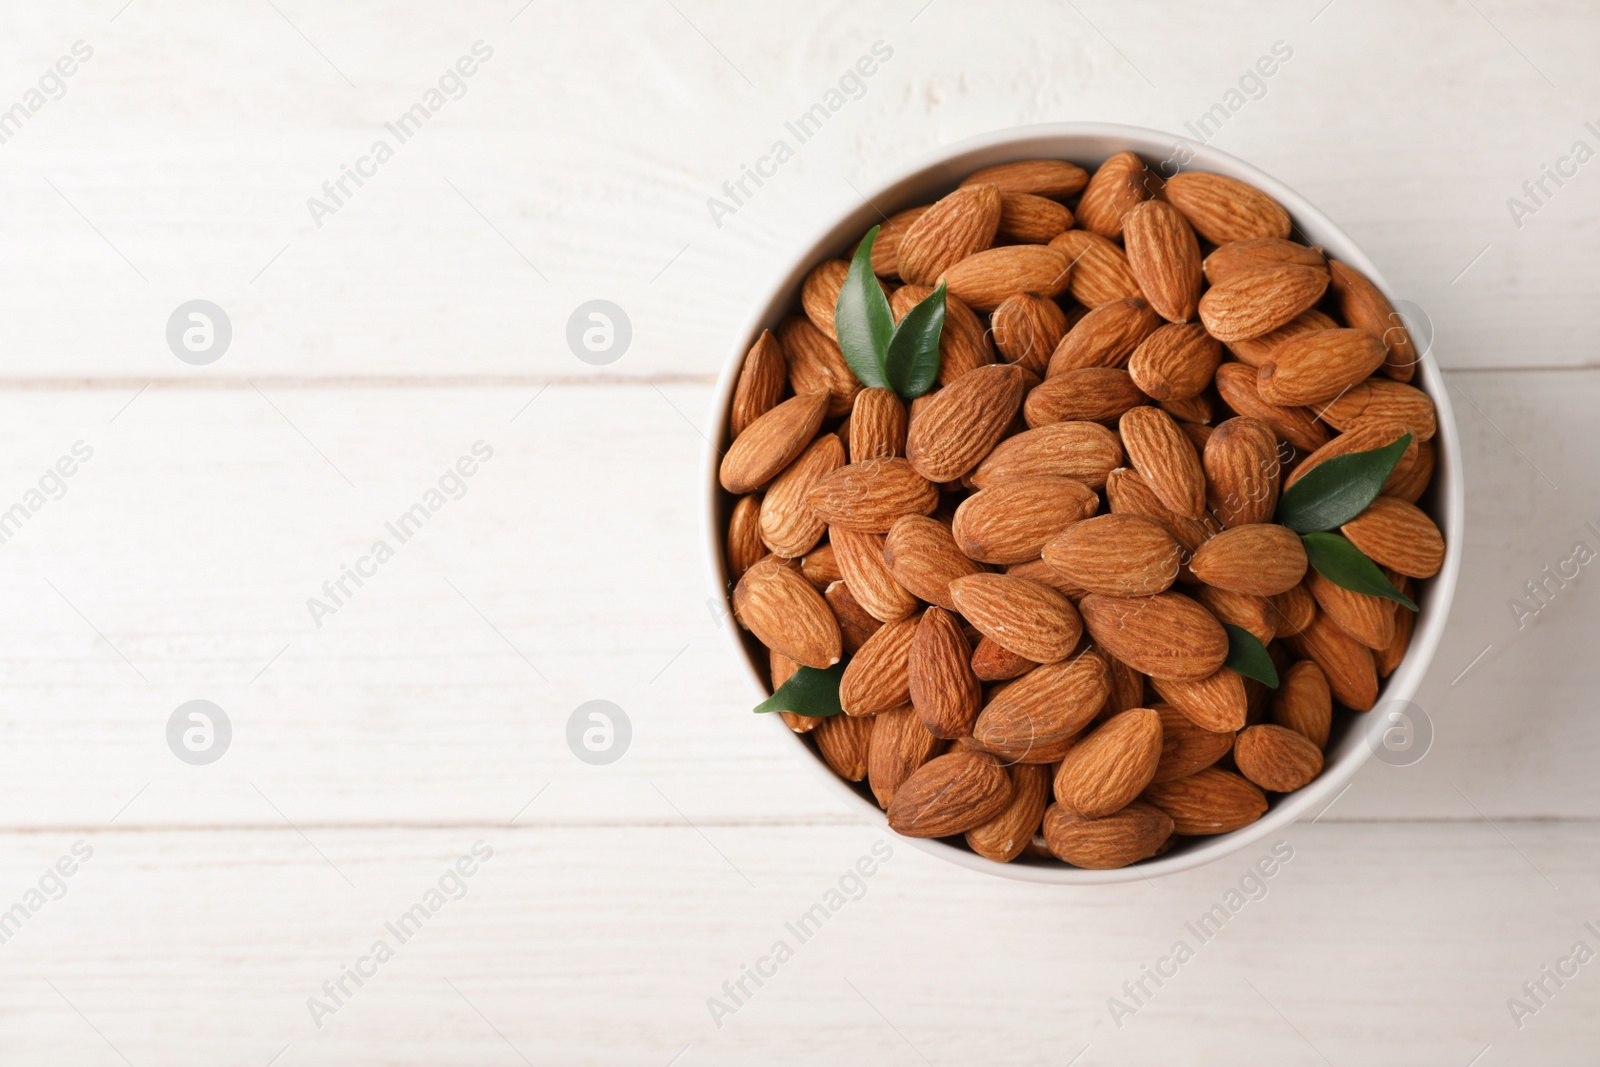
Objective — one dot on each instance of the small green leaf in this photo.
(862, 322)
(1248, 656)
(1346, 566)
(808, 692)
(912, 365)
(1339, 489)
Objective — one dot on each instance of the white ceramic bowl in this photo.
(1088, 144)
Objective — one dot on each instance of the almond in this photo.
(985, 279)
(819, 567)
(1368, 619)
(877, 426)
(1380, 400)
(1216, 702)
(993, 662)
(771, 443)
(1137, 832)
(1037, 570)
(1276, 759)
(1250, 305)
(789, 527)
(782, 668)
(1412, 474)
(855, 624)
(1032, 219)
(1225, 209)
(1255, 351)
(820, 292)
(1366, 308)
(1242, 472)
(950, 794)
(1030, 619)
(1296, 608)
(761, 380)
(943, 689)
(1346, 663)
(1364, 438)
(962, 422)
(1054, 178)
(1099, 269)
(1086, 452)
(1118, 555)
(1165, 459)
(1127, 687)
(952, 229)
(1165, 259)
(1262, 559)
(877, 678)
(1176, 362)
(844, 743)
(1004, 837)
(1397, 535)
(1315, 367)
(817, 366)
(1036, 717)
(1105, 337)
(1108, 769)
(744, 536)
(1010, 522)
(1388, 658)
(1303, 702)
(923, 556)
(1093, 394)
(860, 557)
(786, 614)
(1257, 253)
(1129, 494)
(1026, 328)
(1115, 188)
(869, 496)
(1236, 383)
(1185, 747)
(899, 745)
(1166, 635)
(1211, 801)
(963, 344)
(1254, 614)
(886, 249)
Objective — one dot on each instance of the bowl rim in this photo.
(1085, 142)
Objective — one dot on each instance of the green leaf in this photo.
(862, 322)
(1249, 656)
(912, 365)
(1339, 489)
(1346, 566)
(808, 692)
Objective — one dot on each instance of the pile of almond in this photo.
(1026, 571)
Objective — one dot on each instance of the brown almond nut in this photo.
(1037, 570)
(1012, 521)
(1036, 717)
(1399, 536)
(1315, 367)
(860, 557)
(845, 743)
(1388, 658)
(1167, 635)
(1086, 452)
(964, 343)
(1030, 619)
(963, 421)
(1276, 759)
(1216, 702)
(1127, 687)
(886, 248)
(820, 292)
(899, 745)
(1295, 609)
(1212, 801)
(869, 496)
(1365, 307)
(923, 556)
(1304, 703)
(1412, 475)
(1185, 747)
(1099, 270)
(761, 380)
(1254, 351)
(785, 613)
(1176, 362)
(855, 624)
(1026, 329)
(877, 678)
(1254, 614)
(1032, 219)
(984, 280)
(1129, 494)
(877, 426)
(1364, 438)
(943, 689)
(1004, 837)
(1225, 209)
(1115, 188)
(1105, 771)
(1166, 460)
(1381, 400)
(771, 443)
(1165, 258)
(1093, 394)
(1124, 837)
(1236, 384)
(1259, 302)
(1262, 559)
(950, 794)
(952, 229)
(1242, 471)
(817, 366)
(1346, 663)
(1105, 337)
(744, 536)
(819, 567)
(789, 527)
(782, 668)
(1368, 619)
(1054, 178)
(993, 662)
(1241, 257)
(1118, 555)
(1198, 434)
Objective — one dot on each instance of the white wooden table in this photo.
(428, 712)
